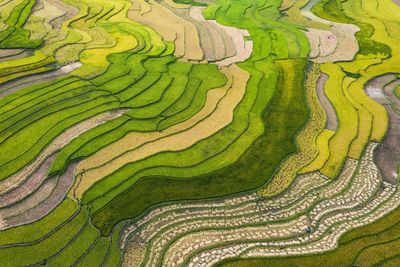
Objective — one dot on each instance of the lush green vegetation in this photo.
(125, 86)
(285, 109)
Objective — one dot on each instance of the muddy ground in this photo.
(331, 118)
(387, 156)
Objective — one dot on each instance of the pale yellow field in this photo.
(323, 152)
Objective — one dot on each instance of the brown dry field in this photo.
(387, 156)
(65, 181)
(71, 11)
(331, 118)
(343, 48)
(110, 158)
(30, 201)
(30, 185)
(221, 43)
(171, 27)
(9, 54)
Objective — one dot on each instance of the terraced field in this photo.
(199, 133)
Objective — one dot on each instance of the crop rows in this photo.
(192, 133)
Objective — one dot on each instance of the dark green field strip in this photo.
(114, 255)
(15, 36)
(219, 143)
(190, 158)
(39, 139)
(235, 178)
(45, 227)
(19, 256)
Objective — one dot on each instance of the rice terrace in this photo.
(227, 133)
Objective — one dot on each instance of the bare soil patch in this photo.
(331, 118)
(65, 181)
(338, 44)
(14, 54)
(387, 156)
(15, 85)
(71, 11)
(30, 201)
(29, 186)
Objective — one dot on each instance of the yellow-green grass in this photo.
(34, 231)
(365, 118)
(14, 36)
(25, 255)
(30, 96)
(77, 248)
(323, 152)
(97, 254)
(376, 253)
(347, 116)
(30, 140)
